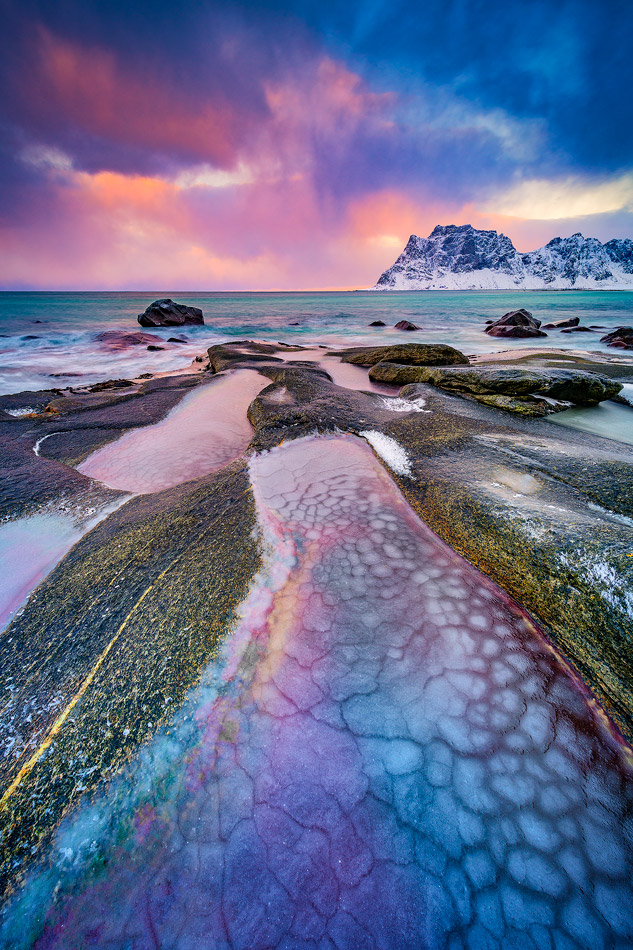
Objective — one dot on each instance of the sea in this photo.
(49, 340)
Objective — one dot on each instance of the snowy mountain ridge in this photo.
(460, 257)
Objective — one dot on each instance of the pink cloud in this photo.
(88, 89)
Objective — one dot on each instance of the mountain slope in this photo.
(463, 258)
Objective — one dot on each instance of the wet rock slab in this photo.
(38, 450)
(246, 354)
(133, 613)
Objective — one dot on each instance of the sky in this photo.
(297, 145)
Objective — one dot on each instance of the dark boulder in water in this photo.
(154, 348)
(412, 354)
(577, 330)
(562, 324)
(528, 391)
(405, 325)
(515, 323)
(621, 338)
(377, 323)
(167, 313)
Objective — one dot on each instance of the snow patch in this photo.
(389, 451)
(23, 411)
(397, 404)
(612, 586)
(465, 258)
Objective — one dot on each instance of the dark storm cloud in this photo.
(567, 63)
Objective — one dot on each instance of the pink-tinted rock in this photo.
(621, 338)
(121, 339)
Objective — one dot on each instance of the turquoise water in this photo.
(610, 419)
(46, 334)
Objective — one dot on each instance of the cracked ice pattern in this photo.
(398, 760)
(207, 429)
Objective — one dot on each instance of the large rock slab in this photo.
(398, 374)
(538, 507)
(516, 323)
(621, 338)
(411, 354)
(520, 388)
(167, 313)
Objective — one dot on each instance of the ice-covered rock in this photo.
(463, 258)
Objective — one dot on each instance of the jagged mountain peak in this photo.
(462, 257)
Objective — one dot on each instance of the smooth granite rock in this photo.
(405, 325)
(246, 353)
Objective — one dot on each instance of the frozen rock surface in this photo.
(464, 258)
(200, 435)
(390, 755)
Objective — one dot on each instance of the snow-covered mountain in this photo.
(463, 258)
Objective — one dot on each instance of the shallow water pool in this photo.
(611, 420)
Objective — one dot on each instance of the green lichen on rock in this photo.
(121, 629)
(411, 354)
(517, 389)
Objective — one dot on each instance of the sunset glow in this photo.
(260, 150)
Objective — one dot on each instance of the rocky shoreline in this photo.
(121, 629)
